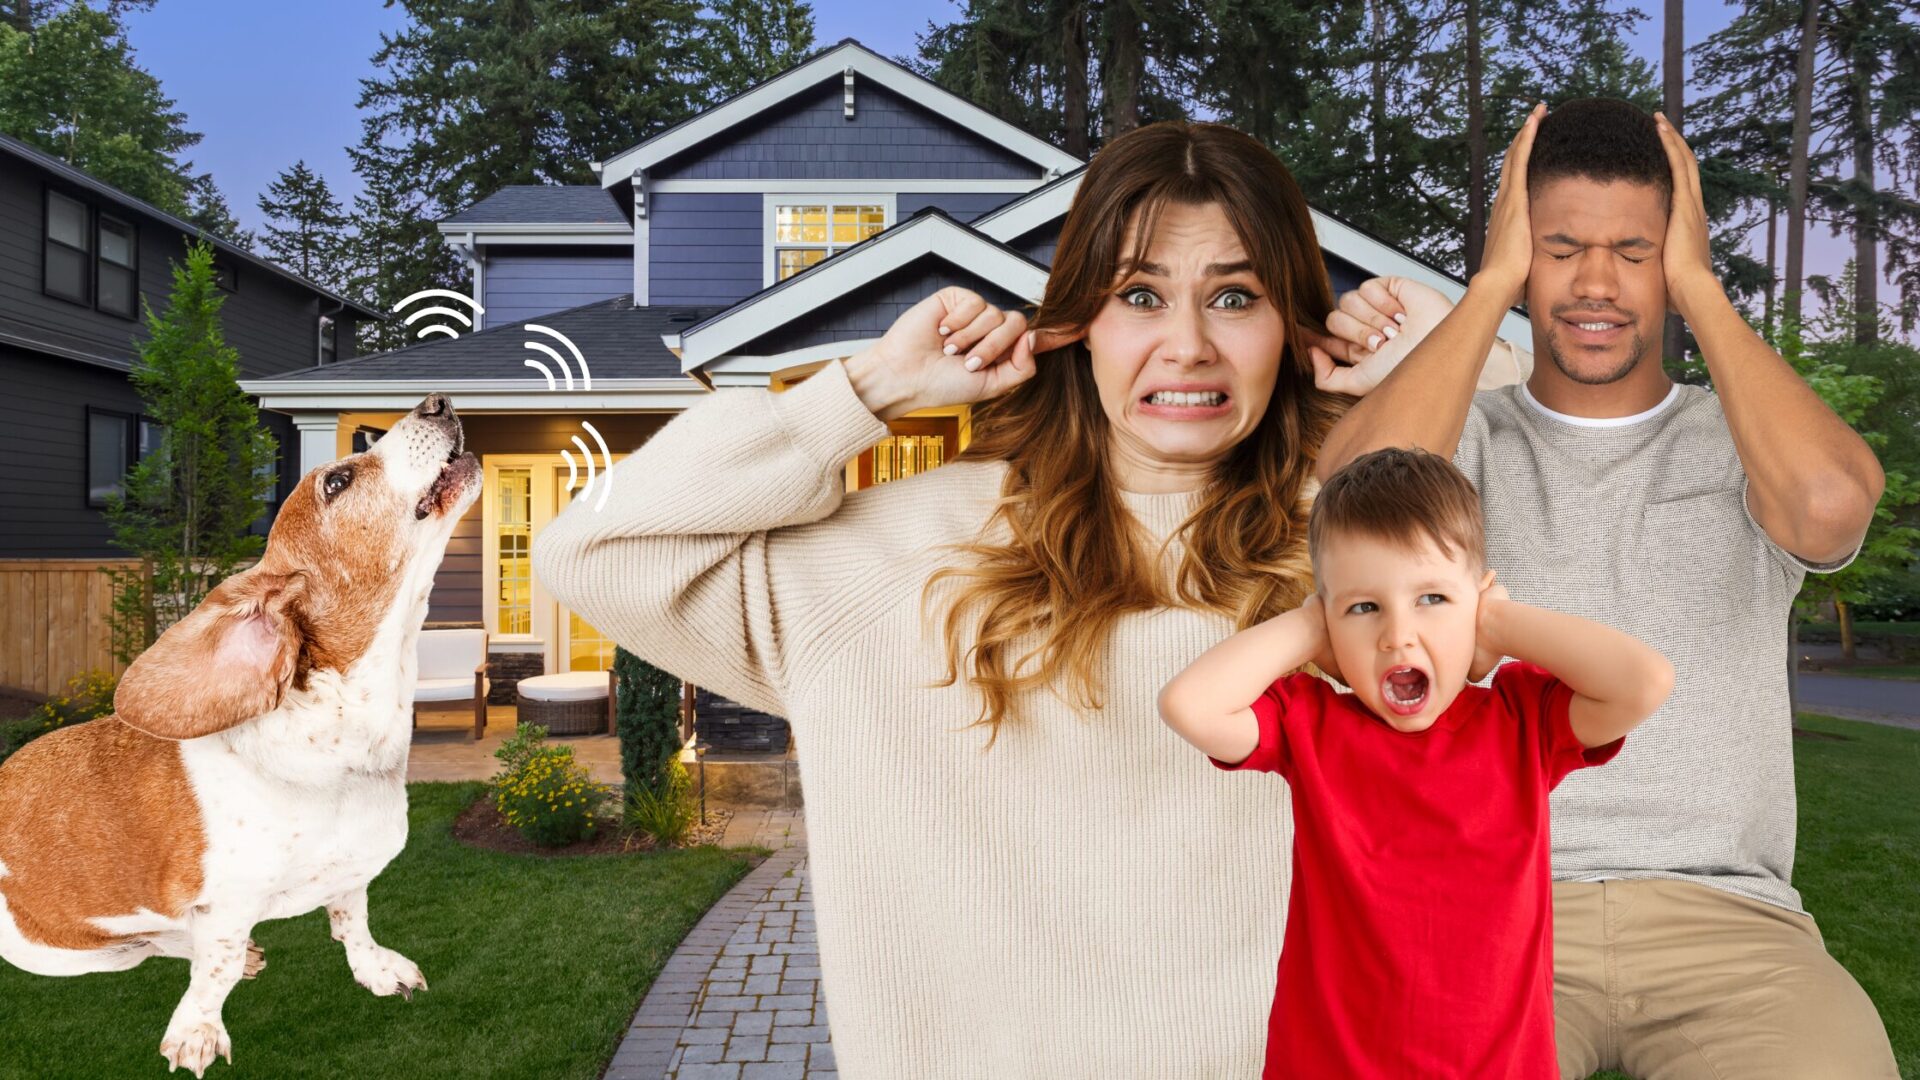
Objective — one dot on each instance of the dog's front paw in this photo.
(386, 973)
(194, 1046)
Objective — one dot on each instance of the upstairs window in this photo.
(118, 271)
(805, 232)
(69, 257)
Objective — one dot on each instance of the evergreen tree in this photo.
(187, 506)
(394, 250)
(744, 42)
(306, 232)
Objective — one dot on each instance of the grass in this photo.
(1858, 864)
(1878, 671)
(536, 965)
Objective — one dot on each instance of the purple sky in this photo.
(271, 83)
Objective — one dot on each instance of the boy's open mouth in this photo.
(1405, 690)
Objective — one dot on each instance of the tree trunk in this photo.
(1073, 82)
(1845, 612)
(1773, 276)
(1674, 75)
(1377, 106)
(22, 17)
(1793, 664)
(1476, 146)
(1124, 71)
(1866, 221)
(1798, 166)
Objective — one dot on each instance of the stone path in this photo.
(741, 997)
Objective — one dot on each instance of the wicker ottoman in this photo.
(571, 703)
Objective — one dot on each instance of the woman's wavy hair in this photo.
(1075, 561)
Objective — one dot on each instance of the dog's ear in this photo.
(223, 665)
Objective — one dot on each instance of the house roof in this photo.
(835, 62)
(544, 204)
(929, 232)
(81, 178)
(616, 339)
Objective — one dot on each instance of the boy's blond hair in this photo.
(1400, 496)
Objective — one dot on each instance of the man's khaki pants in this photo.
(1669, 980)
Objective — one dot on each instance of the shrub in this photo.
(647, 716)
(544, 793)
(667, 816)
(89, 696)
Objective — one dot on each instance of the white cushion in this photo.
(448, 689)
(447, 654)
(567, 686)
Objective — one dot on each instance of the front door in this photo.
(581, 647)
(524, 493)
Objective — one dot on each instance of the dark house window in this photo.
(69, 258)
(115, 441)
(119, 270)
(329, 339)
(223, 275)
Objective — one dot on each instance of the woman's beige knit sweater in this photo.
(1089, 898)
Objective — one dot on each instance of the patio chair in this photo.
(452, 667)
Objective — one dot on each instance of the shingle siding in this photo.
(526, 283)
(962, 206)
(809, 138)
(708, 247)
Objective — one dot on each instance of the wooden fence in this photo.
(54, 621)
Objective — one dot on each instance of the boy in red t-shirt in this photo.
(1419, 936)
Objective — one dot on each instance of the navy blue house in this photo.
(746, 247)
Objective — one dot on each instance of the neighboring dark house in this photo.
(746, 247)
(76, 257)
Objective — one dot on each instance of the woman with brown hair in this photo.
(1017, 869)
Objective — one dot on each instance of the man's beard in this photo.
(1636, 351)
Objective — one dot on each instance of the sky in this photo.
(271, 83)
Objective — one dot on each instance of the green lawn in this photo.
(1858, 866)
(1878, 671)
(535, 965)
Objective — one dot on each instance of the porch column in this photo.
(319, 439)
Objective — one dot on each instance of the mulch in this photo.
(14, 705)
(481, 826)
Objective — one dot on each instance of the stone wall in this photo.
(728, 726)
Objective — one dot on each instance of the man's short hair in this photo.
(1399, 497)
(1601, 139)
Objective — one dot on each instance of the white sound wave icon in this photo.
(585, 376)
(453, 313)
(603, 477)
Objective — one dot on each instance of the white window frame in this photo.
(771, 201)
(549, 631)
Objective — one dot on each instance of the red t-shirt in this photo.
(1419, 935)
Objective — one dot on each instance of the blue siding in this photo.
(960, 205)
(870, 310)
(808, 138)
(708, 247)
(526, 284)
(1039, 245)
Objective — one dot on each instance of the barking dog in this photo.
(255, 763)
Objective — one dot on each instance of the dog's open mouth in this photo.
(461, 471)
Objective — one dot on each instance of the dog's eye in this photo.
(336, 482)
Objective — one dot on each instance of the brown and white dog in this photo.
(255, 765)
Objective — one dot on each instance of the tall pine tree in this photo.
(305, 230)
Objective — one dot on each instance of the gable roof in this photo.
(834, 63)
(929, 232)
(544, 204)
(81, 178)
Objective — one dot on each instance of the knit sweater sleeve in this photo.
(678, 566)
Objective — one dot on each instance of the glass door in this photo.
(582, 647)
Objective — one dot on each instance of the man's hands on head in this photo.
(1686, 259)
(1508, 254)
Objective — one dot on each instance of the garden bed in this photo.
(480, 825)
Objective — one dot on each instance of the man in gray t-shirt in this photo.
(1684, 516)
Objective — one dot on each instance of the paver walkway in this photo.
(741, 997)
